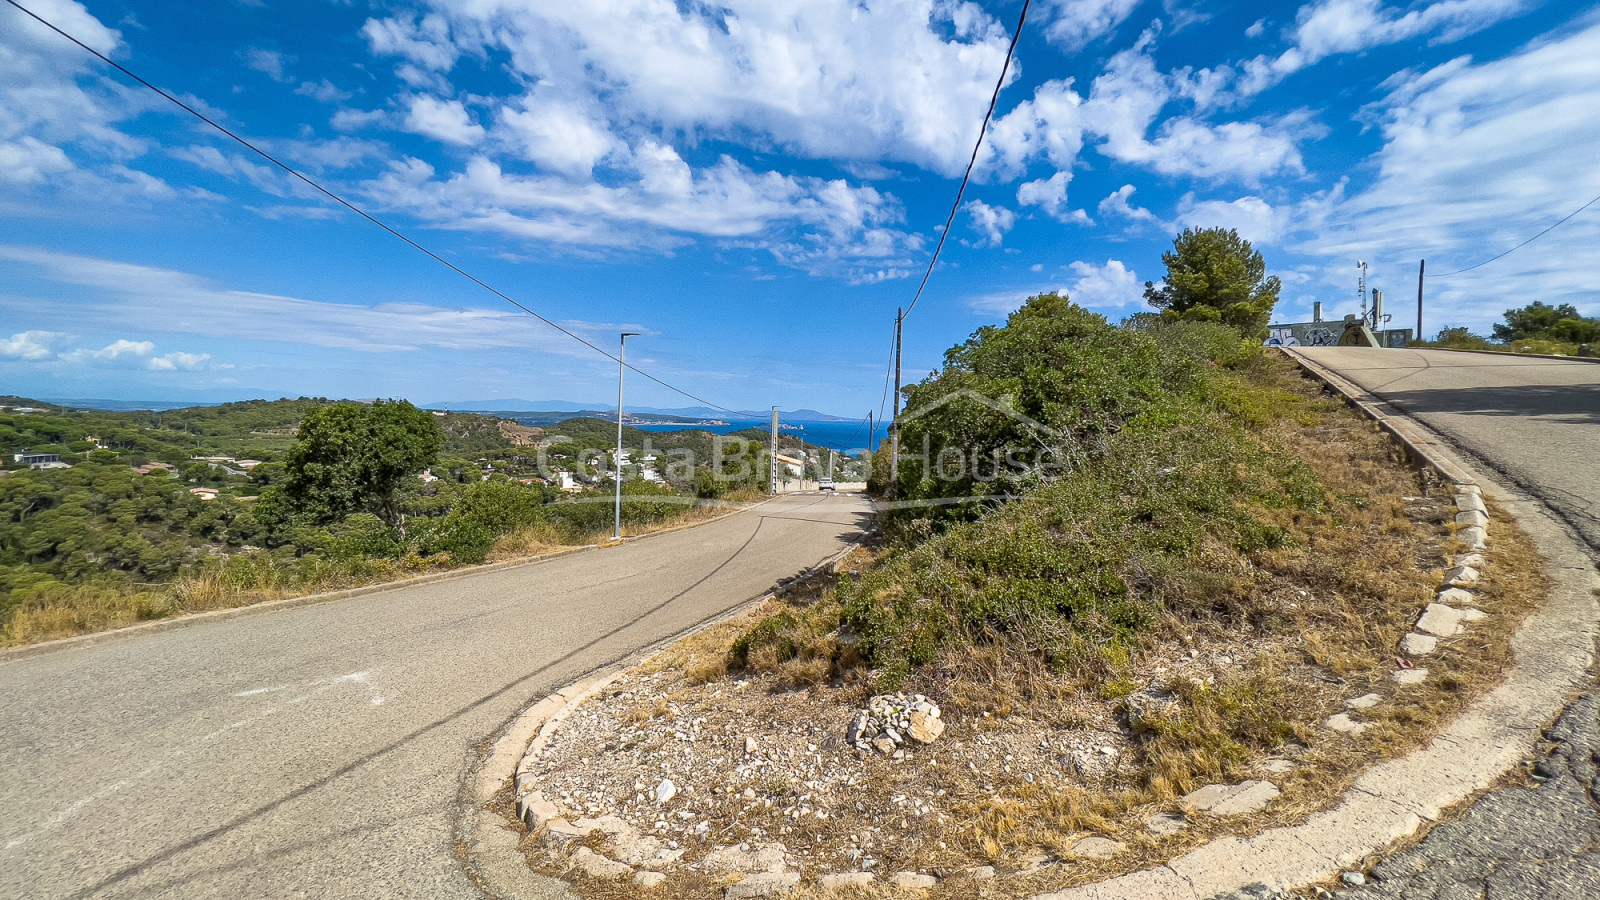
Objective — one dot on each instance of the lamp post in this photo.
(616, 475)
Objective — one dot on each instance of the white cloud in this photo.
(425, 42)
(1478, 157)
(1073, 24)
(188, 362)
(557, 134)
(31, 344)
(1122, 109)
(1111, 284)
(893, 80)
(324, 91)
(1256, 29)
(1049, 125)
(1050, 194)
(1255, 219)
(29, 160)
(1116, 206)
(991, 221)
(121, 349)
(657, 201)
(267, 62)
(1332, 27)
(442, 120)
(123, 294)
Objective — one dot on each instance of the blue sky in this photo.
(755, 185)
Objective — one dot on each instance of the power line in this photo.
(975, 147)
(888, 375)
(352, 207)
(1524, 243)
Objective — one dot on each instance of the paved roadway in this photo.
(1537, 422)
(317, 751)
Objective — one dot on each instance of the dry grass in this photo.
(1269, 645)
(93, 608)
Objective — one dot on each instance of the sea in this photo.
(845, 437)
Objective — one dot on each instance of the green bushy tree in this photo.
(353, 457)
(1214, 275)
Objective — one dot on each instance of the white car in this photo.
(825, 484)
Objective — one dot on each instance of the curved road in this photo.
(316, 751)
(1537, 422)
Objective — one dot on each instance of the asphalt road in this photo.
(1534, 420)
(1538, 423)
(317, 751)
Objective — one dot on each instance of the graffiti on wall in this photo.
(1326, 334)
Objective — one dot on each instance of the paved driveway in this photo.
(317, 751)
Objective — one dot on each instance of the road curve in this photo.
(1536, 421)
(1532, 419)
(316, 751)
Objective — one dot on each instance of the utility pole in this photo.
(894, 423)
(1361, 288)
(622, 353)
(1422, 267)
(772, 485)
(830, 464)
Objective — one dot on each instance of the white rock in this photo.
(1096, 848)
(1409, 676)
(841, 880)
(764, 884)
(1471, 501)
(666, 790)
(749, 745)
(1229, 800)
(596, 866)
(1344, 724)
(648, 880)
(1461, 576)
(1472, 615)
(1472, 517)
(982, 873)
(1440, 620)
(1165, 823)
(1455, 596)
(912, 881)
(1415, 644)
(1473, 537)
(1365, 701)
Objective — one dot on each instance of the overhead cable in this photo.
(355, 209)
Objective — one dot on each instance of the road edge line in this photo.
(186, 620)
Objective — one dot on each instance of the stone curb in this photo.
(488, 846)
(187, 619)
(1393, 800)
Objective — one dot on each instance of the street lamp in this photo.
(617, 460)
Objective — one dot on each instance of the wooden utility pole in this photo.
(894, 423)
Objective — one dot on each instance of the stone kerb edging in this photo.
(1551, 652)
(1393, 800)
(491, 850)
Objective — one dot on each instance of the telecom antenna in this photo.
(1361, 287)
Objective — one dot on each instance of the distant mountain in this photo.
(218, 398)
(687, 412)
(513, 405)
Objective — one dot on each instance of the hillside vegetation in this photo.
(102, 543)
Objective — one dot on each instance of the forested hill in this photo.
(252, 429)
